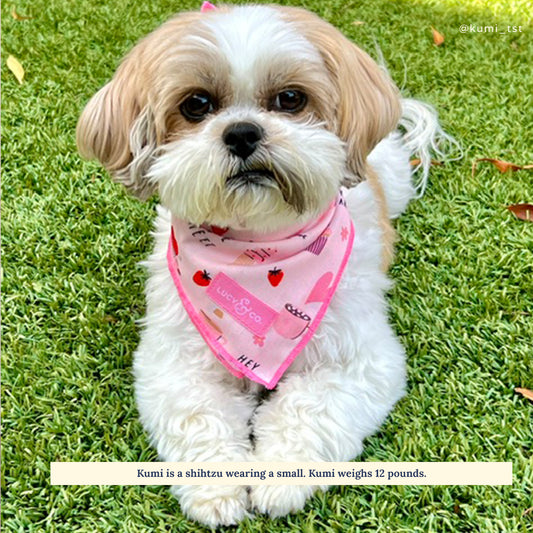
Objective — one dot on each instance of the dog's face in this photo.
(247, 117)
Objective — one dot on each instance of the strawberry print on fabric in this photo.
(202, 278)
(275, 276)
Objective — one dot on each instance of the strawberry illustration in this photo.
(218, 231)
(174, 243)
(275, 276)
(202, 278)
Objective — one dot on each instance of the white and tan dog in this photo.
(253, 118)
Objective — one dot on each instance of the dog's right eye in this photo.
(197, 106)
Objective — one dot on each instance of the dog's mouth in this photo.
(251, 177)
(268, 179)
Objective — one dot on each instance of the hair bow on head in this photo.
(207, 6)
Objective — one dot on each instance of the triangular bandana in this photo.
(257, 303)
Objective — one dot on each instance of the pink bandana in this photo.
(257, 303)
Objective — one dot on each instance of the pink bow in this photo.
(207, 6)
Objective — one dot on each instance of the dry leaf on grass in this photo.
(527, 511)
(16, 16)
(14, 66)
(416, 162)
(502, 166)
(526, 393)
(357, 22)
(522, 211)
(438, 38)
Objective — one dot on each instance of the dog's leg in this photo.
(191, 414)
(324, 412)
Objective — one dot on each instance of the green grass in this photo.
(462, 299)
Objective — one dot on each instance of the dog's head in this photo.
(247, 117)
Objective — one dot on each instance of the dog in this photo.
(280, 152)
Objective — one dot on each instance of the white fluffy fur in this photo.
(253, 39)
(425, 137)
(337, 392)
(342, 386)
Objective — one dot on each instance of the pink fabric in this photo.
(207, 6)
(257, 301)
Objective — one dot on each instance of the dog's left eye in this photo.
(197, 106)
(289, 101)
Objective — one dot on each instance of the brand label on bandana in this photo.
(257, 302)
(243, 306)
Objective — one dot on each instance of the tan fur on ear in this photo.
(105, 126)
(367, 101)
(120, 125)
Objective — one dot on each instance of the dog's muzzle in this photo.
(242, 140)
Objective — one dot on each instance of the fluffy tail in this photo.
(425, 139)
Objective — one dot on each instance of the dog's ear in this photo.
(366, 100)
(117, 129)
(123, 123)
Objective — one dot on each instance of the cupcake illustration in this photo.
(244, 259)
(318, 245)
(252, 256)
(291, 322)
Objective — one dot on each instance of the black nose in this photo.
(242, 138)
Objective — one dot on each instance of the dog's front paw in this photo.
(280, 500)
(213, 505)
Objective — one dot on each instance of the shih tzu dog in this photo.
(280, 151)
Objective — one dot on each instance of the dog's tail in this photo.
(425, 140)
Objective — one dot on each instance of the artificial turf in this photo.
(461, 303)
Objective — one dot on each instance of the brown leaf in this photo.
(526, 393)
(438, 38)
(14, 66)
(357, 22)
(527, 511)
(502, 166)
(16, 16)
(416, 162)
(522, 211)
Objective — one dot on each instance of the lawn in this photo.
(461, 303)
